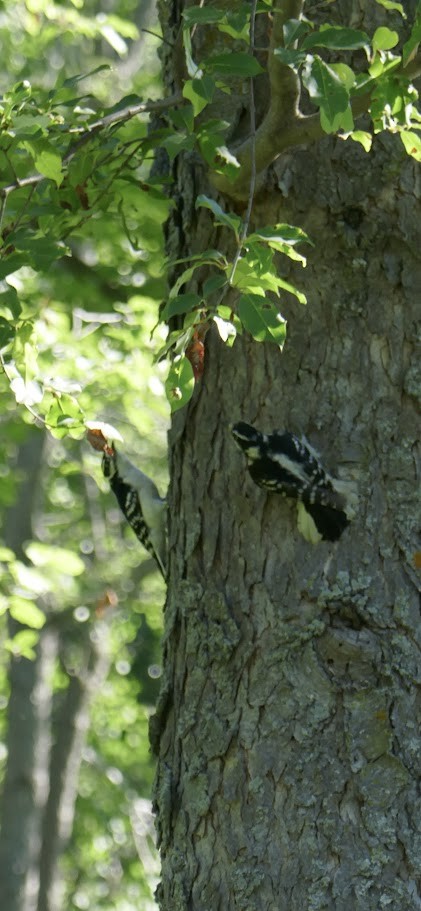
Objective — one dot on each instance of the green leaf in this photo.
(204, 87)
(30, 579)
(384, 39)
(31, 361)
(10, 305)
(255, 271)
(7, 555)
(381, 65)
(294, 29)
(225, 161)
(390, 4)
(336, 38)
(27, 126)
(228, 323)
(236, 24)
(26, 612)
(282, 234)
(65, 418)
(67, 426)
(212, 284)
(290, 57)
(23, 643)
(57, 558)
(412, 143)
(287, 286)
(7, 332)
(365, 139)
(182, 118)
(182, 303)
(215, 152)
(179, 384)
(193, 69)
(226, 329)
(202, 15)
(177, 142)
(233, 64)
(215, 125)
(221, 217)
(329, 93)
(73, 80)
(26, 393)
(125, 27)
(391, 103)
(262, 319)
(345, 73)
(46, 159)
(281, 238)
(199, 92)
(11, 263)
(342, 121)
(207, 258)
(114, 39)
(410, 48)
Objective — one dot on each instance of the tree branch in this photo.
(284, 126)
(161, 104)
(117, 117)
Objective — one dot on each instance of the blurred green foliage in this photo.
(84, 323)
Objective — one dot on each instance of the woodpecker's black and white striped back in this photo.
(282, 463)
(140, 503)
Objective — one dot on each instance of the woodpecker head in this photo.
(109, 462)
(248, 439)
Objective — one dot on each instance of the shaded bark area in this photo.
(287, 730)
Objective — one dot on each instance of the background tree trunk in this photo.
(24, 786)
(45, 735)
(286, 732)
(70, 724)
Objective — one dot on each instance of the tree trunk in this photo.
(286, 732)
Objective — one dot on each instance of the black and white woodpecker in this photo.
(140, 503)
(280, 462)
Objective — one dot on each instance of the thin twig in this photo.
(119, 117)
(23, 209)
(35, 415)
(155, 35)
(102, 192)
(2, 210)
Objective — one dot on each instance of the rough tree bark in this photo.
(287, 734)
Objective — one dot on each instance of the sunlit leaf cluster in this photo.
(76, 171)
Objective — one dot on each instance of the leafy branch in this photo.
(284, 126)
(115, 118)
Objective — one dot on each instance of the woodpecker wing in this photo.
(140, 503)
